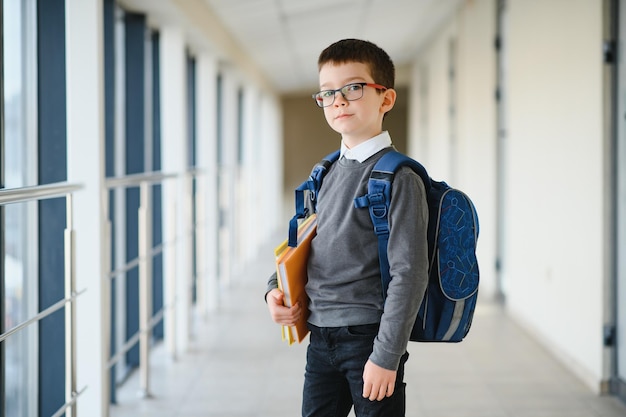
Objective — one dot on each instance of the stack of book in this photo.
(291, 270)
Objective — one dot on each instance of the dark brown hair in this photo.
(380, 65)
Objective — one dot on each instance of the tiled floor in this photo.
(238, 367)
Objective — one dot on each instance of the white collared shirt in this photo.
(366, 149)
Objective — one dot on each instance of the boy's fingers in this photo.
(374, 393)
(278, 297)
(286, 316)
(379, 394)
(390, 389)
(382, 393)
(367, 389)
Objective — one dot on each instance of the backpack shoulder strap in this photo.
(313, 185)
(378, 199)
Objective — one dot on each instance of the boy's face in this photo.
(357, 120)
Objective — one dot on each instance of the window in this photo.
(132, 147)
(19, 274)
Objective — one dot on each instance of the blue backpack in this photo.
(447, 309)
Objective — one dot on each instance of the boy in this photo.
(357, 346)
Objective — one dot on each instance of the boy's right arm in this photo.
(285, 316)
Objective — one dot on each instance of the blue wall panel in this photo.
(135, 145)
(52, 167)
(157, 214)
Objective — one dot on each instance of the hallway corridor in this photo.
(237, 366)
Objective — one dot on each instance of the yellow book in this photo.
(291, 271)
(285, 331)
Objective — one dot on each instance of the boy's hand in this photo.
(285, 316)
(378, 382)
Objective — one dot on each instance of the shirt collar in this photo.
(364, 150)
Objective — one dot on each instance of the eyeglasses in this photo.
(350, 92)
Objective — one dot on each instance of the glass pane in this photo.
(13, 93)
(19, 290)
(17, 306)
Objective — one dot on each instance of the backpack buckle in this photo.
(381, 229)
(379, 211)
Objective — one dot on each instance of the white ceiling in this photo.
(285, 37)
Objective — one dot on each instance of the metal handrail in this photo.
(37, 192)
(41, 315)
(147, 318)
(70, 404)
(132, 340)
(135, 180)
(135, 261)
(125, 268)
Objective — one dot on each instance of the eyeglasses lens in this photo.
(350, 92)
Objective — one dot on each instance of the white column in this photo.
(85, 160)
(206, 161)
(250, 188)
(176, 256)
(228, 175)
(271, 159)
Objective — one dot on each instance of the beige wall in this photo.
(555, 187)
(307, 138)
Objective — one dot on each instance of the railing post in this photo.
(171, 315)
(188, 235)
(201, 261)
(145, 287)
(106, 307)
(144, 263)
(70, 310)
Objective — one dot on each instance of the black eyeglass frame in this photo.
(319, 100)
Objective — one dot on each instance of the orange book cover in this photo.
(291, 268)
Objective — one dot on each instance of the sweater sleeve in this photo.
(272, 283)
(407, 252)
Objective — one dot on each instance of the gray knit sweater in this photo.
(344, 284)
